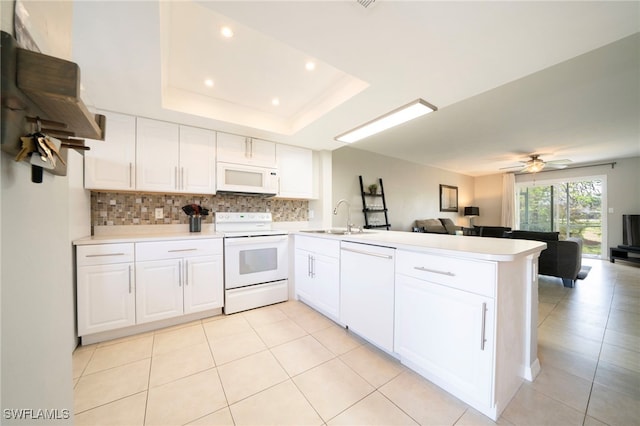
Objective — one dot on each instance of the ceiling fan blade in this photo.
(511, 167)
(551, 165)
(559, 162)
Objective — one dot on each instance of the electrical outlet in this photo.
(159, 213)
(311, 214)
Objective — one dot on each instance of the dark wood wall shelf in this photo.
(38, 87)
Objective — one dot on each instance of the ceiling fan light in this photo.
(401, 115)
(535, 165)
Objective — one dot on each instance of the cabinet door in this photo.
(243, 150)
(106, 298)
(110, 164)
(303, 281)
(203, 283)
(197, 160)
(232, 148)
(262, 153)
(159, 290)
(447, 335)
(326, 284)
(157, 155)
(295, 168)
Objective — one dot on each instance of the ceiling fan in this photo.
(536, 164)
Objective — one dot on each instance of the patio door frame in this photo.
(550, 182)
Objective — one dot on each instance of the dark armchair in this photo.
(561, 258)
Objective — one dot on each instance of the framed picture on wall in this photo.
(448, 198)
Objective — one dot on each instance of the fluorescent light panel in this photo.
(401, 115)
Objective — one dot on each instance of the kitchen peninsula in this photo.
(461, 311)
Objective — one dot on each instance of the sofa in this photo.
(561, 258)
(436, 226)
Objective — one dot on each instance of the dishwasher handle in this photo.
(367, 253)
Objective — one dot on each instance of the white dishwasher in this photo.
(367, 291)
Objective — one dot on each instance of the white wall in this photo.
(36, 259)
(623, 191)
(488, 191)
(411, 190)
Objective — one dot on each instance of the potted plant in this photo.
(373, 189)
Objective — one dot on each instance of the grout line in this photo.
(595, 372)
(146, 402)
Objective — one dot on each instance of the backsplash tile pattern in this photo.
(111, 208)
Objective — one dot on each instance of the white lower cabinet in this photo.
(317, 274)
(105, 287)
(445, 323)
(203, 288)
(122, 285)
(447, 335)
(178, 277)
(159, 294)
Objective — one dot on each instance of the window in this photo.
(574, 208)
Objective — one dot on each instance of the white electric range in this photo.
(255, 260)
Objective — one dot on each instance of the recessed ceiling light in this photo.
(310, 66)
(275, 101)
(208, 82)
(226, 32)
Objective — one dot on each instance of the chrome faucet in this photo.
(335, 212)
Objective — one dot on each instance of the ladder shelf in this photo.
(370, 207)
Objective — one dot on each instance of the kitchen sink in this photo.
(331, 231)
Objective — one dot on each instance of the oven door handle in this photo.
(245, 241)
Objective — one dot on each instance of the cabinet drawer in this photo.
(104, 254)
(158, 250)
(323, 246)
(469, 275)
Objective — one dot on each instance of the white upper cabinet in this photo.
(175, 158)
(295, 168)
(110, 164)
(197, 161)
(157, 151)
(242, 150)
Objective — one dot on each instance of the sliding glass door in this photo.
(572, 208)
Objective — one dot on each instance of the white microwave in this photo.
(244, 179)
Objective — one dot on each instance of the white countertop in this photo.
(481, 248)
(133, 234)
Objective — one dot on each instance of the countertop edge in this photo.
(116, 239)
(527, 247)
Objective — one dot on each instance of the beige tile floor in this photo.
(288, 365)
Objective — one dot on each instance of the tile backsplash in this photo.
(111, 208)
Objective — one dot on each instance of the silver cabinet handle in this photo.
(179, 250)
(182, 178)
(308, 265)
(104, 255)
(180, 273)
(130, 175)
(483, 338)
(176, 177)
(186, 272)
(423, 269)
(313, 266)
(246, 147)
(251, 150)
(367, 253)
(130, 279)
